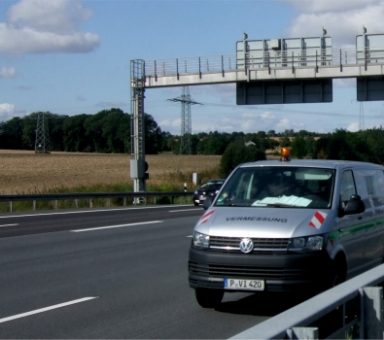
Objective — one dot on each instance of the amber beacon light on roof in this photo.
(285, 154)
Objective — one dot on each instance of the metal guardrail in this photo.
(124, 198)
(355, 309)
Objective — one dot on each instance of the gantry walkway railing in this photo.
(343, 63)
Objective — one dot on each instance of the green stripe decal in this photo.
(355, 229)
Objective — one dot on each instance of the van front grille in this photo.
(229, 244)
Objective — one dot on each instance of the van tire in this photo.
(209, 298)
(338, 272)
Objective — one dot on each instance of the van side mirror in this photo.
(354, 205)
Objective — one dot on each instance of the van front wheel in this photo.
(338, 272)
(209, 298)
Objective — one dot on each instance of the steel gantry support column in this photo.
(138, 166)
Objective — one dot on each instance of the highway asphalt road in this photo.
(110, 274)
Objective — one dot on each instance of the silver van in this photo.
(288, 226)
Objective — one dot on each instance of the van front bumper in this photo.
(281, 272)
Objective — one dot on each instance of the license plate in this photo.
(241, 284)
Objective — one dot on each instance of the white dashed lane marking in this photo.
(114, 226)
(9, 225)
(46, 309)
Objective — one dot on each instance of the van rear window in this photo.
(266, 186)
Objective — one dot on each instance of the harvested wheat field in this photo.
(24, 172)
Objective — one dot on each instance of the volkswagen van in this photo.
(288, 226)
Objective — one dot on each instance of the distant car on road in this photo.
(208, 189)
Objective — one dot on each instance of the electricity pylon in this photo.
(186, 120)
(41, 141)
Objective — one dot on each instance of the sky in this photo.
(73, 56)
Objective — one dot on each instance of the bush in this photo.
(344, 145)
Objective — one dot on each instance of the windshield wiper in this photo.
(281, 205)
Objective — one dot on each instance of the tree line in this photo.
(109, 131)
(366, 145)
(106, 131)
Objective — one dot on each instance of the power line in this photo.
(274, 108)
(284, 109)
(361, 116)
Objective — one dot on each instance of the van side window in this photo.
(373, 184)
(374, 181)
(348, 187)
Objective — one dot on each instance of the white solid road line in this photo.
(46, 309)
(74, 212)
(115, 226)
(9, 225)
(185, 210)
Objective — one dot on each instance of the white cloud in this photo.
(267, 116)
(283, 124)
(60, 16)
(353, 127)
(319, 6)
(44, 26)
(7, 111)
(172, 125)
(342, 19)
(7, 72)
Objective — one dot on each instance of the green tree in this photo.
(343, 145)
(213, 143)
(29, 131)
(107, 131)
(115, 130)
(153, 135)
(285, 141)
(93, 132)
(54, 130)
(299, 147)
(12, 133)
(74, 133)
(375, 141)
(236, 153)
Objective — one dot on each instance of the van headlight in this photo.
(200, 240)
(309, 243)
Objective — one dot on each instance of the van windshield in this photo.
(277, 186)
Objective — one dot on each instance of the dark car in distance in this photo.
(208, 189)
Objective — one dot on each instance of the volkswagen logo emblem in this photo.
(246, 245)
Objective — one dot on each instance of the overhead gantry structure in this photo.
(267, 71)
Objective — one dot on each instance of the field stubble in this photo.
(24, 172)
